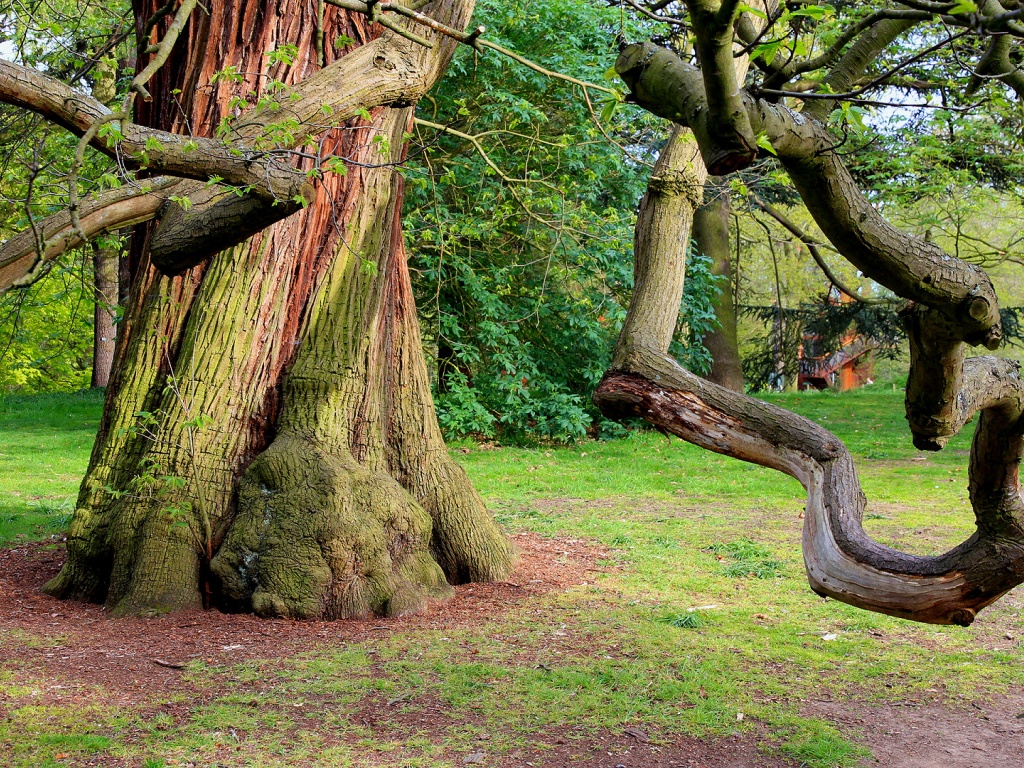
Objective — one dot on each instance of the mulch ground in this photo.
(133, 658)
(87, 657)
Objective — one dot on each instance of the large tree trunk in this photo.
(292, 462)
(711, 235)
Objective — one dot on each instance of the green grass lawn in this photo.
(45, 442)
(702, 613)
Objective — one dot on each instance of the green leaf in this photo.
(182, 201)
(964, 7)
(284, 54)
(765, 144)
(814, 11)
(768, 50)
(744, 8)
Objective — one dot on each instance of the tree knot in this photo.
(675, 183)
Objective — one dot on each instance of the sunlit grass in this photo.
(45, 442)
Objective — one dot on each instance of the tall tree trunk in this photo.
(287, 458)
(711, 234)
(106, 261)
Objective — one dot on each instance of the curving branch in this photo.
(954, 305)
(842, 561)
(914, 268)
(20, 257)
(996, 63)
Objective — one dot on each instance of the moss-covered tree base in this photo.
(319, 536)
(275, 449)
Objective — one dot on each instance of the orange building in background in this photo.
(850, 367)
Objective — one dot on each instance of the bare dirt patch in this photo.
(74, 646)
(632, 749)
(73, 653)
(919, 735)
(566, 747)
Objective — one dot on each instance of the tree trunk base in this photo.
(319, 536)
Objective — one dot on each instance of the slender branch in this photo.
(163, 50)
(812, 247)
(650, 14)
(543, 70)
(870, 84)
(798, 67)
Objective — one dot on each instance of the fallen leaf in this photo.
(473, 759)
(637, 734)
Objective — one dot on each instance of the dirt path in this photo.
(930, 736)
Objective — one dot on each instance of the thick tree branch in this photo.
(909, 266)
(996, 62)
(842, 561)
(141, 147)
(956, 304)
(390, 70)
(735, 145)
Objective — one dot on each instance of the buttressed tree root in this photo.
(951, 304)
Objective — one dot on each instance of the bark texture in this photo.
(287, 458)
(953, 305)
